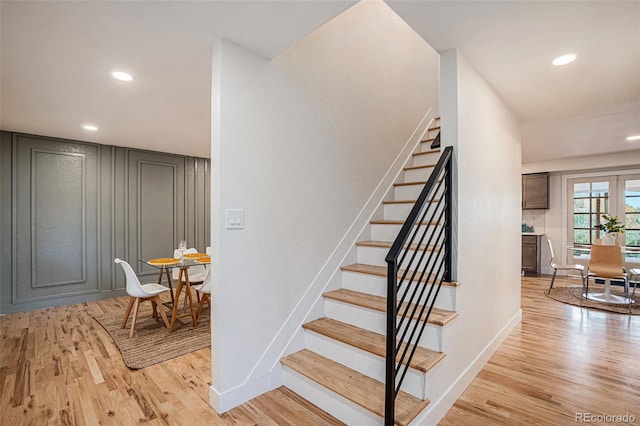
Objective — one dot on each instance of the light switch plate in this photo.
(235, 219)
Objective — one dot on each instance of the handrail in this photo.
(426, 230)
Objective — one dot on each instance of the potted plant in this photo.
(611, 227)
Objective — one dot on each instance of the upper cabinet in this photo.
(535, 191)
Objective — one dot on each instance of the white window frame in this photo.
(614, 205)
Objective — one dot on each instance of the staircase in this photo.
(342, 368)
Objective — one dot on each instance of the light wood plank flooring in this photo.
(561, 360)
(57, 366)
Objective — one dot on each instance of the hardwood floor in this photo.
(560, 361)
(58, 366)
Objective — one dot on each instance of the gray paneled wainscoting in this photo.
(69, 208)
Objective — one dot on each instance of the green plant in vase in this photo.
(611, 226)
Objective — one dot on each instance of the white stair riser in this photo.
(424, 159)
(396, 211)
(410, 192)
(384, 232)
(426, 146)
(401, 211)
(388, 232)
(339, 407)
(376, 255)
(407, 192)
(375, 321)
(377, 286)
(420, 174)
(363, 362)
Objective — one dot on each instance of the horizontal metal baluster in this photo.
(404, 313)
(415, 308)
(400, 249)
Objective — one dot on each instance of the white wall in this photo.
(300, 143)
(487, 159)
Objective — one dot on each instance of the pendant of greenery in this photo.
(610, 225)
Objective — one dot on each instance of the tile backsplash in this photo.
(535, 219)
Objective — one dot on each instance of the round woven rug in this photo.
(571, 296)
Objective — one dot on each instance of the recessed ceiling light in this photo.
(122, 76)
(634, 138)
(564, 59)
(90, 127)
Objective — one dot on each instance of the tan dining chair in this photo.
(606, 263)
(560, 267)
(140, 293)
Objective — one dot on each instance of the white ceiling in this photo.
(56, 58)
(587, 107)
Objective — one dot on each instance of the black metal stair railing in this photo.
(418, 262)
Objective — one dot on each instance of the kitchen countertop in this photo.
(533, 233)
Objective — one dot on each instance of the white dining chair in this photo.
(140, 293)
(560, 267)
(205, 289)
(197, 273)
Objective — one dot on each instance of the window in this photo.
(590, 201)
(632, 212)
(591, 197)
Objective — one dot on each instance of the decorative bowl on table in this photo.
(164, 261)
(203, 259)
(194, 256)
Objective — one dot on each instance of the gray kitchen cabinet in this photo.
(535, 191)
(531, 254)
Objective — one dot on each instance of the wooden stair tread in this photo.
(438, 316)
(422, 182)
(382, 271)
(427, 166)
(437, 118)
(388, 244)
(434, 200)
(399, 222)
(356, 387)
(423, 359)
(399, 202)
(434, 128)
(427, 140)
(431, 151)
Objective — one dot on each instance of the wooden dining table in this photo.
(166, 265)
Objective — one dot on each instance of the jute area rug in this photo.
(571, 295)
(152, 343)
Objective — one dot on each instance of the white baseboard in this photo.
(437, 409)
(231, 398)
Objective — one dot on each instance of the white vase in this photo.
(609, 239)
